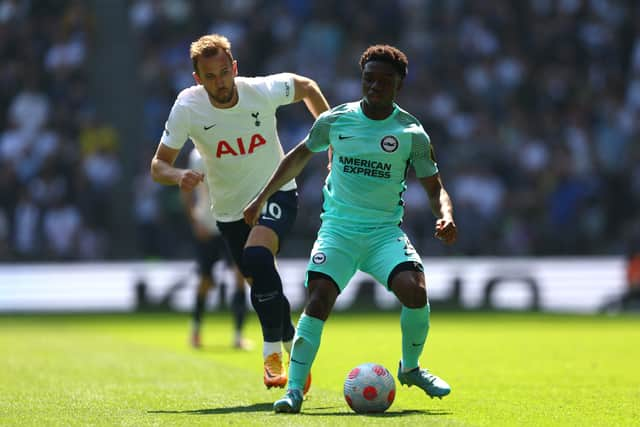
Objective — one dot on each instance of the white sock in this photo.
(287, 345)
(271, 347)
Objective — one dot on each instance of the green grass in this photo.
(137, 370)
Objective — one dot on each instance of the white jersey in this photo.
(239, 145)
(202, 207)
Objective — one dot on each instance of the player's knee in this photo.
(318, 307)
(418, 297)
(205, 285)
(257, 260)
(322, 296)
(410, 289)
(413, 296)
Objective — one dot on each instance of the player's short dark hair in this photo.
(386, 53)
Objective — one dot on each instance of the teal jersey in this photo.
(370, 162)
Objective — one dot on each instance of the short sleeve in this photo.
(176, 128)
(280, 89)
(422, 157)
(318, 138)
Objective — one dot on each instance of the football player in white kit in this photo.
(232, 123)
(210, 248)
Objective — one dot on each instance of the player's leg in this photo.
(409, 286)
(393, 260)
(322, 295)
(206, 256)
(331, 257)
(204, 285)
(279, 215)
(258, 266)
(238, 297)
(267, 298)
(238, 307)
(267, 295)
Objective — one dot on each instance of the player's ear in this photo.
(196, 77)
(235, 68)
(399, 85)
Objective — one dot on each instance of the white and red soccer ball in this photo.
(369, 388)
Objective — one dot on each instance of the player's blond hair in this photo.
(209, 45)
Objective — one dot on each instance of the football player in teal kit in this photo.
(373, 143)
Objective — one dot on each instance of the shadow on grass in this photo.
(311, 411)
(257, 407)
(387, 414)
(220, 348)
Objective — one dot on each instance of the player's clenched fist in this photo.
(446, 230)
(189, 179)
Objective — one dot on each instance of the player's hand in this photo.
(200, 231)
(189, 179)
(252, 212)
(446, 230)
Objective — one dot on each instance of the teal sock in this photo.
(414, 324)
(304, 350)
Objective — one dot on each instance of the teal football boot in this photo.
(291, 403)
(433, 385)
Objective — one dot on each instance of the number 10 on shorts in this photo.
(272, 210)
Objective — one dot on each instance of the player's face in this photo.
(380, 83)
(216, 74)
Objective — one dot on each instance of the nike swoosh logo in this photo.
(345, 137)
(298, 362)
(266, 299)
(209, 127)
(417, 345)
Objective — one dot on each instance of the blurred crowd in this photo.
(533, 108)
(58, 161)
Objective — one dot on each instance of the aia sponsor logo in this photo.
(240, 147)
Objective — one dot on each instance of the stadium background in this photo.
(532, 106)
(533, 109)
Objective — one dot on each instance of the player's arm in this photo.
(441, 207)
(188, 199)
(163, 171)
(308, 91)
(289, 168)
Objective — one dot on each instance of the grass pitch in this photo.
(505, 369)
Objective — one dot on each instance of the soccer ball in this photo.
(369, 388)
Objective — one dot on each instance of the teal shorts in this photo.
(339, 252)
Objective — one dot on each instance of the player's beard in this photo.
(224, 99)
